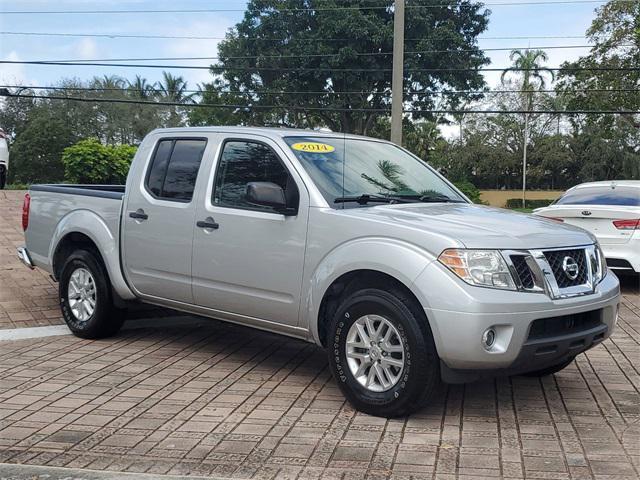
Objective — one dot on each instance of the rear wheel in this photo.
(85, 297)
(3, 177)
(381, 352)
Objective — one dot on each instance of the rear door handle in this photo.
(139, 214)
(208, 223)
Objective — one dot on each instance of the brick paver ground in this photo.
(233, 402)
(28, 298)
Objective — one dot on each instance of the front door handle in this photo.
(139, 214)
(208, 223)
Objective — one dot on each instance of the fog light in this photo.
(488, 338)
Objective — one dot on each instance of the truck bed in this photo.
(101, 191)
(97, 207)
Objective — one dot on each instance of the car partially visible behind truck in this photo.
(4, 159)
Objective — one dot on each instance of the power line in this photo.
(189, 37)
(324, 109)
(317, 69)
(308, 10)
(130, 89)
(317, 55)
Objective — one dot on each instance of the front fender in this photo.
(400, 260)
(94, 227)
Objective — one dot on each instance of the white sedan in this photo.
(611, 211)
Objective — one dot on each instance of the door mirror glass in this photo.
(267, 194)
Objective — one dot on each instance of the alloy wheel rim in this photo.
(81, 294)
(375, 353)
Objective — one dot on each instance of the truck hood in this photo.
(477, 226)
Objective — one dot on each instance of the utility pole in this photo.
(397, 82)
(524, 160)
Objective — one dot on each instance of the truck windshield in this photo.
(353, 172)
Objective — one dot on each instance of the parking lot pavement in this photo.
(27, 297)
(215, 399)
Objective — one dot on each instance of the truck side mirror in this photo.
(268, 194)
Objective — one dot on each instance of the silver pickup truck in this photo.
(349, 242)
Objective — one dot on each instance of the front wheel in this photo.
(382, 354)
(85, 297)
(3, 177)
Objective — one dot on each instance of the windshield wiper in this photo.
(432, 198)
(368, 198)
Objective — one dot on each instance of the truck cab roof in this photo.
(271, 132)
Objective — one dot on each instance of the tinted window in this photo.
(174, 168)
(623, 196)
(244, 162)
(159, 167)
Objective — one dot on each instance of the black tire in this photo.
(3, 178)
(420, 375)
(549, 370)
(105, 319)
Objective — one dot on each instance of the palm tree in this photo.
(529, 63)
(174, 89)
(108, 82)
(141, 88)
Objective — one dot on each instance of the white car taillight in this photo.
(627, 224)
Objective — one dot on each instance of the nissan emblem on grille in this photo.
(570, 268)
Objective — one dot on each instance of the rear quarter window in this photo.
(618, 196)
(174, 168)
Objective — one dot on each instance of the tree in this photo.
(529, 65)
(173, 89)
(144, 118)
(615, 32)
(607, 145)
(332, 58)
(212, 94)
(37, 149)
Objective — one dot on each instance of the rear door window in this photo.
(618, 196)
(174, 168)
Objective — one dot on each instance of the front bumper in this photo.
(628, 252)
(459, 315)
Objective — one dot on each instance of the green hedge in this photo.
(88, 161)
(517, 203)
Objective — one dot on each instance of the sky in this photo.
(505, 21)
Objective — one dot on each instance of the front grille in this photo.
(556, 259)
(523, 270)
(564, 325)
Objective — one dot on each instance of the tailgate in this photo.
(598, 220)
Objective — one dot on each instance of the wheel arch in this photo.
(360, 264)
(84, 228)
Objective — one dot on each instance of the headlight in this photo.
(485, 268)
(601, 261)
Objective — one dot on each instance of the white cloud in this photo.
(13, 73)
(85, 49)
